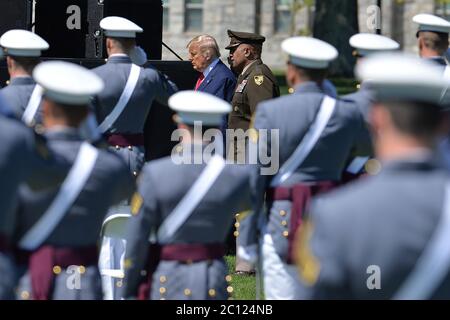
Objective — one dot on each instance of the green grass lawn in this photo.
(244, 287)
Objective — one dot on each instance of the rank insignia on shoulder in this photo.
(308, 265)
(259, 80)
(136, 203)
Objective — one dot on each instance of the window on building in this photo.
(165, 4)
(443, 8)
(193, 20)
(283, 16)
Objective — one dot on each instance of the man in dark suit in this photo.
(215, 78)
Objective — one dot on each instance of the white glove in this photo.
(249, 254)
(138, 56)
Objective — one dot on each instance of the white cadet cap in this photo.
(402, 77)
(192, 106)
(309, 52)
(67, 83)
(369, 43)
(118, 27)
(432, 23)
(22, 43)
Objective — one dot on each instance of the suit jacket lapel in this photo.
(209, 78)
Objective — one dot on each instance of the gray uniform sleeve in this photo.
(258, 184)
(45, 167)
(319, 254)
(164, 87)
(363, 140)
(145, 219)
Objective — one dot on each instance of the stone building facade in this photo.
(184, 19)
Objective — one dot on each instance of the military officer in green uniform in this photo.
(255, 84)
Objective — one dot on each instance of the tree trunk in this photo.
(335, 22)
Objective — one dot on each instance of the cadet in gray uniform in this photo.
(189, 224)
(432, 38)
(122, 107)
(366, 44)
(23, 49)
(24, 157)
(386, 237)
(61, 227)
(339, 130)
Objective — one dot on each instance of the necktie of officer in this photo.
(199, 81)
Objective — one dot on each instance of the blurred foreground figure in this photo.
(187, 222)
(59, 228)
(386, 237)
(317, 136)
(24, 157)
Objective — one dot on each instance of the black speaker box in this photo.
(72, 27)
(147, 14)
(14, 14)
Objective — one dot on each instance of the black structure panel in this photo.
(72, 27)
(64, 25)
(15, 14)
(147, 14)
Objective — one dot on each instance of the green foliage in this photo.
(343, 85)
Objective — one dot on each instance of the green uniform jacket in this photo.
(256, 84)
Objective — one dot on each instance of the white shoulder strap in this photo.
(308, 142)
(357, 165)
(68, 193)
(446, 79)
(434, 263)
(191, 200)
(124, 99)
(33, 105)
(447, 72)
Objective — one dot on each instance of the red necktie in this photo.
(199, 81)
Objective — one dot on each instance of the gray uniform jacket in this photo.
(162, 186)
(383, 223)
(151, 86)
(17, 95)
(346, 134)
(24, 157)
(363, 98)
(109, 183)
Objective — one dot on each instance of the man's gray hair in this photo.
(207, 45)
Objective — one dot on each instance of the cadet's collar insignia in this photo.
(136, 203)
(308, 265)
(259, 80)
